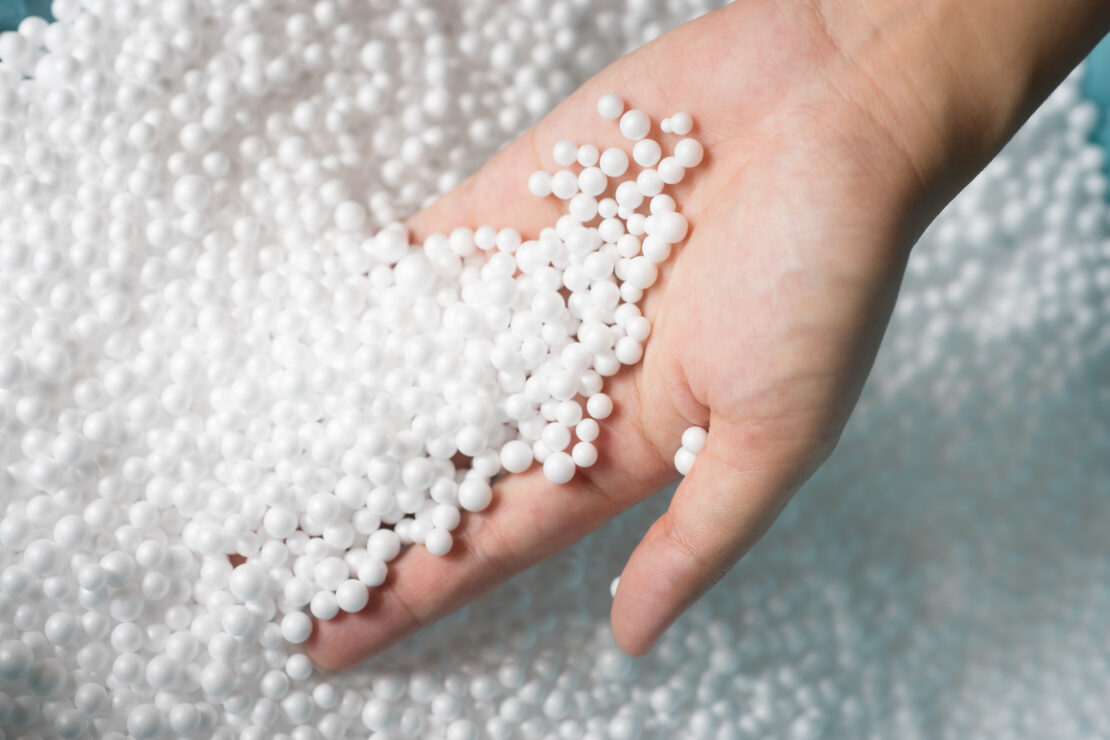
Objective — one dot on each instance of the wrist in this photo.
(951, 80)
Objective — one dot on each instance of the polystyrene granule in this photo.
(942, 576)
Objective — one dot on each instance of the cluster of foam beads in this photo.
(693, 442)
(191, 179)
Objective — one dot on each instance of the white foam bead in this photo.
(539, 184)
(475, 495)
(351, 596)
(516, 456)
(694, 438)
(584, 454)
(689, 153)
(564, 184)
(564, 152)
(613, 162)
(641, 272)
(592, 181)
(646, 152)
(247, 582)
(558, 467)
(671, 227)
(681, 123)
(683, 460)
(635, 125)
(372, 572)
(610, 106)
(628, 195)
(438, 541)
(670, 171)
(323, 605)
(649, 183)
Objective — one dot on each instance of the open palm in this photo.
(765, 321)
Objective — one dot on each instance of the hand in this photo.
(765, 321)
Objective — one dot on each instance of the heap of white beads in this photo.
(188, 191)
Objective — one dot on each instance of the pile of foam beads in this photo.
(192, 197)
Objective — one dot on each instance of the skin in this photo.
(827, 153)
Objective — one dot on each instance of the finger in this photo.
(719, 511)
(530, 519)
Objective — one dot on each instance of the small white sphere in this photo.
(516, 456)
(384, 545)
(352, 596)
(635, 125)
(613, 162)
(324, 605)
(694, 438)
(438, 541)
(350, 216)
(681, 123)
(372, 572)
(587, 430)
(670, 171)
(474, 494)
(599, 406)
(559, 467)
(144, 722)
(646, 152)
(649, 183)
(689, 153)
(564, 184)
(247, 582)
(330, 572)
(12, 370)
(564, 153)
(296, 627)
(584, 454)
(610, 106)
(592, 181)
(539, 184)
(683, 461)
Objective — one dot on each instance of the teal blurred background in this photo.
(1098, 87)
(1097, 83)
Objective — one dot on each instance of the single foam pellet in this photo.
(613, 163)
(635, 125)
(610, 106)
(539, 184)
(693, 439)
(646, 152)
(564, 152)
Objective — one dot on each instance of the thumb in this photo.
(724, 505)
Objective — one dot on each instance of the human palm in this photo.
(765, 321)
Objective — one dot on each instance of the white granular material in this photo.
(942, 576)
